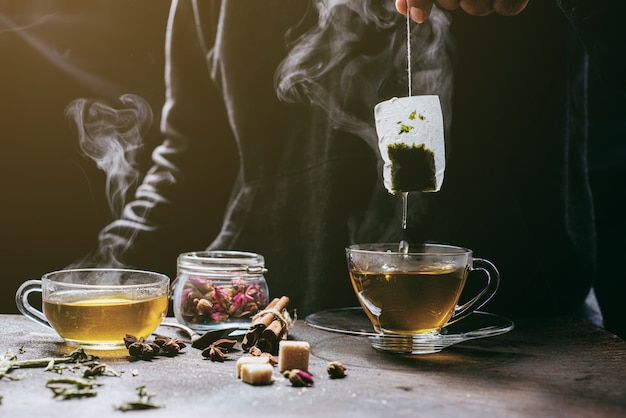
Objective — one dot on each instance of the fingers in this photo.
(449, 4)
(418, 9)
(509, 7)
(485, 7)
(476, 7)
(402, 6)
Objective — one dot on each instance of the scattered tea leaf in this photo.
(144, 402)
(95, 369)
(6, 364)
(10, 362)
(69, 388)
(137, 405)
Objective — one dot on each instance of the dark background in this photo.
(53, 200)
(52, 52)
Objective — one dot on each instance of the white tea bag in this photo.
(410, 138)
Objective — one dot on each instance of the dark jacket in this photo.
(241, 169)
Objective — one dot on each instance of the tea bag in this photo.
(411, 141)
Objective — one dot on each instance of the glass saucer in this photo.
(353, 321)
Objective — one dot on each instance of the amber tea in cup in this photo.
(416, 291)
(96, 308)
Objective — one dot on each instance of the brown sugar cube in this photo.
(293, 355)
(250, 360)
(257, 373)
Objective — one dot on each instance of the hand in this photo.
(420, 9)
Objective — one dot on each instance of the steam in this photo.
(112, 137)
(49, 51)
(353, 57)
(356, 56)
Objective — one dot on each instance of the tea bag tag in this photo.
(411, 142)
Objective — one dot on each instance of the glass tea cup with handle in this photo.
(415, 293)
(96, 307)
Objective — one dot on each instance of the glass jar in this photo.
(219, 289)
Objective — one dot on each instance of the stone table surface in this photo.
(556, 367)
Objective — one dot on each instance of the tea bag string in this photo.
(404, 241)
(408, 51)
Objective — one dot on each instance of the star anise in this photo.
(129, 340)
(170, 346)
(215, 352)
(140, 347)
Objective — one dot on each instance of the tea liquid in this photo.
(409, 302)
(107, 320)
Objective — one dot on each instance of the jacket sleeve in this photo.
(599, 23)
(179, 205)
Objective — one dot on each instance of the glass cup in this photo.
(95, 308)
(416, 293)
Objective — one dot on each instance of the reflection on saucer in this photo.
(353, 321)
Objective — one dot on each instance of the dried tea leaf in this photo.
(144, 402)
(70, 388)
(6, 364)
(137, 405)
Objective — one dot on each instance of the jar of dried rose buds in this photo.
(219, 289)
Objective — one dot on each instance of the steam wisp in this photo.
(332, 66)
(112, 136)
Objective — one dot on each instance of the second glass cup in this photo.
(416, 292)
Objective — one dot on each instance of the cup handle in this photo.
(24, 306)
(493, 281)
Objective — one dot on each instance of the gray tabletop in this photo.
(544, 367)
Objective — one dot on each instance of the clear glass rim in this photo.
(393, 248)
(224, 261)
(157, 279)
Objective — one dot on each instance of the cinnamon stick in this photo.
(271, 336)
(263, 321)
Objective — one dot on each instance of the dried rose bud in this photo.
(237, 286)
(336, 370)
(239, 304)
(200, 283)
(299, 378)
(219, 316)
(221, 295)
(204, 306)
